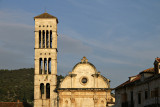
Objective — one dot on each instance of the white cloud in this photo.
(67, 44)
(17, 40)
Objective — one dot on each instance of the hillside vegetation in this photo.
(18, 85)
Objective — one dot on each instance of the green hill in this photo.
(18, 85)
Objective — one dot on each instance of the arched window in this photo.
(49, 66)
(39, 38)
(47, 90)
(41, 89)
(40, 65)
(51, 39)
(45, 65)
(47, 39)
(43, 39)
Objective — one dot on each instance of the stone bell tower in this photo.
(45, 79)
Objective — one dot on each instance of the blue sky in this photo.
(120, 37)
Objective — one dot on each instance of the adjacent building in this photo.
(142, 90)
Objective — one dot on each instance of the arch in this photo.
(47, 90)
(43, 34)
(41, 90)
(45, 65)
(39, 38)
(47, 39)
(49, 66)
(50, 38)
(40, 65)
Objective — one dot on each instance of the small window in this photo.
(49, 66)
(41, 90)
(39, 38)
(43, 39)
(131, 96)
(84, 80)
(139, 98)
(156, 92)
(47, 90)
(51, 39)
(146, 94)
(40, 65)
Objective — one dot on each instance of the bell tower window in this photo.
(47, 90)
(51, 39)
(40, 65)
(41, 89)
(45, 65)
(49, 66)
(47, 39)
(39, 38)
(43, 38)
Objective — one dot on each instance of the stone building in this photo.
(45, 78)
(142, 90)
(83, 87)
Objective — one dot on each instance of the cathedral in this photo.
(84, 86)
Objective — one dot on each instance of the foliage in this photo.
(18, 85)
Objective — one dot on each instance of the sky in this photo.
(120, 37)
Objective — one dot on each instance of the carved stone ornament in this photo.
(60, 100)
(66, 102)
(84, 60)
(95, 100)
(73, 100)
(46, 78)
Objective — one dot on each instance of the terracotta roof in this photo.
(129, 82)
(11, 104)
(137, 77)
(14, 104)
(148, 70)
(45, 15)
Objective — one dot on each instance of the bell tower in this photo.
(45, 75)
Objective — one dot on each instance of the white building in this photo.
(142, 90)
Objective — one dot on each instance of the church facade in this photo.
(83, 87)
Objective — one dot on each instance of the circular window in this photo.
(84, 80)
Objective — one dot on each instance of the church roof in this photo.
(14, 104)
(46, 15)
(84, 60)
(149, 70)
